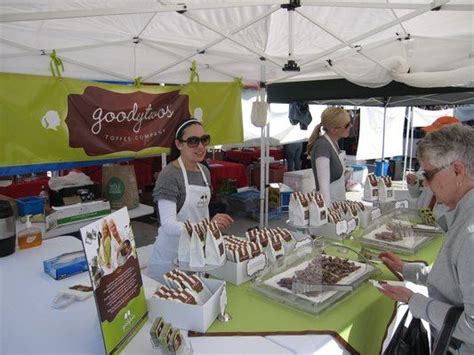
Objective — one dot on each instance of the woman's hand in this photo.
(392, 261)
(396, 293)
(223, 220)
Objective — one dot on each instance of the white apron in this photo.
(337, 188)
(195, 209)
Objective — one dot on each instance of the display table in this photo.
(222, 170)
(361, 319)
(29, 324)
(247, 156)
(141, 210)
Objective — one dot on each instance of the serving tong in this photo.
(303, 287)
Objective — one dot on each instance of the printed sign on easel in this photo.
(109, 245)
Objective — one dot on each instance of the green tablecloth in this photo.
(361, 319)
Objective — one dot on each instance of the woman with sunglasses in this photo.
(415, 182)
(182, 193)
(327, 159)
(447, 157)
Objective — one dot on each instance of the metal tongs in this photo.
(298, 286)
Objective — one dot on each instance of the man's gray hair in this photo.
(453, 142)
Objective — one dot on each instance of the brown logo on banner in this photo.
(102, 121)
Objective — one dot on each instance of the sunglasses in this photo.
(346, 126)
(194, 141)
(430, 174)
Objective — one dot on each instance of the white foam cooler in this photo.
(300, 180)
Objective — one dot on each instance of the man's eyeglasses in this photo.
(193, 141)
(430, 174)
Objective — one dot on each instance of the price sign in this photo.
(256, 264)
(341, 227)
(401, 204)
(351, 225)
(376, 213)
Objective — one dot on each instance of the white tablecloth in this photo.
(29, 325)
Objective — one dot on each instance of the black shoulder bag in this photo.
(411, 340)
(444, 340)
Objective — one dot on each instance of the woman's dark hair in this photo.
(174, 151)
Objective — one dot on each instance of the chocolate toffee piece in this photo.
(185, 297)
(176, 341)
(165, 335)
(388, 236)
(263, 240)
(157, 327)
(161, 293)
(251, 236)
(199, 232)
(189, 227)
(243, 254)
(276, 243)
(255, 249)
(372, 180)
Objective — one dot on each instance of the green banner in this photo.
(56, 120)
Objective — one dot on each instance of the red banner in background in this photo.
(102, 121)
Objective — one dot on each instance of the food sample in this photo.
(321, 270)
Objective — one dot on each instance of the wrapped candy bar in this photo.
(185, 242)
(215, 250)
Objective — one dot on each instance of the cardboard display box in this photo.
(235, 273)
(187, 316)
(76, 213)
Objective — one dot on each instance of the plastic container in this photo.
(273, 214)
(29, 237)
(30, 206)
(241, 203)
(381, 167)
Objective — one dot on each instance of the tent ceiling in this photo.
(371, 43)
(342, 92)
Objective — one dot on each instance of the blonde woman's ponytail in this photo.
(313, 137)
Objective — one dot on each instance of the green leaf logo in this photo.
(115, 189)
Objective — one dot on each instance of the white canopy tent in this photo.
(420, 43)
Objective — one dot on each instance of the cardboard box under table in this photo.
(188, 316)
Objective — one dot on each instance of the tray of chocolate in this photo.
(314, 283)
(399, 231)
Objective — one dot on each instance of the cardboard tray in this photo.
(187, 316)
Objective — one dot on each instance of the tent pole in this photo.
(405, 151)
(383, 134)
(411, 139)
(263, 161)
(163, 160)
(267, 170)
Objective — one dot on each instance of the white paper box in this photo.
(188, 316)
(300, 180)
(235, 273)
(76, 213)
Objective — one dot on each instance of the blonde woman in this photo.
(327, 159)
